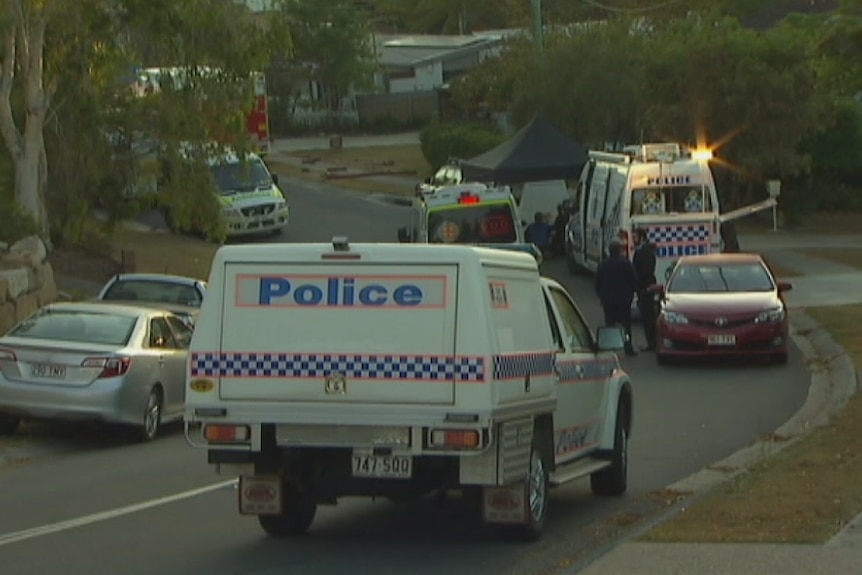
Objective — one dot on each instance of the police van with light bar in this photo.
(323, 371)
(248, 193)
(668, 191)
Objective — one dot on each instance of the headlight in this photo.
(673, 317)
(771, 316)
(231, 212)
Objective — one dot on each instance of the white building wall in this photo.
(427, 77)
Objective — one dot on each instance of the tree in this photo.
(588, 83)
(24, 26)
(332, 46)
(66, 66)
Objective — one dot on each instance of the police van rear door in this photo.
(341, 331)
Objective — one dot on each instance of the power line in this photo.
(601, 6)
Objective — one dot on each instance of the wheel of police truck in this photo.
(297, 515)
(538, 488)
(613, 480)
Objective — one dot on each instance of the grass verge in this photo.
(804, 494)
(851, 257)
(396, 158)
(368, 184)
(167, 253)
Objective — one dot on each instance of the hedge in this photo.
(442, 141)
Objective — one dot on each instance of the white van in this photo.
(322, 371)
(659, 187)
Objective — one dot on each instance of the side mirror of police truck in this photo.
(275, 179)
(403, 236)
(610, 338)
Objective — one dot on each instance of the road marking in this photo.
(34, 532)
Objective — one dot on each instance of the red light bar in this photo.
(468, 199)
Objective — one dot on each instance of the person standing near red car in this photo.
(644, 264)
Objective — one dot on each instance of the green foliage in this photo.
(332, 45)
(440, 141)
(14, 223)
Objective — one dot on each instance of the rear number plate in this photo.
(48, 371)
(260, 495)
(722, 340)
(366, 464)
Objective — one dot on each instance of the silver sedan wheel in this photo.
(152, 415)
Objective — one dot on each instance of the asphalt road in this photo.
(106, 507)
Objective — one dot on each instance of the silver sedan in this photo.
(94, 361)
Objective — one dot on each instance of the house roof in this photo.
(408, 50)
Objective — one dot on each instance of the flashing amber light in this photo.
(701, 155)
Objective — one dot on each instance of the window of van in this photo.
(476, 224)
(232, 177)
(682, 200)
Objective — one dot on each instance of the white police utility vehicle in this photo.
(321, 371)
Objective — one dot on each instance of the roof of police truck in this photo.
(342, 251)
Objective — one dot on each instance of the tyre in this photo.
(662, 359)
(152, 419)
(9, 425)
(613, 480)
(780, 358)
(298, 514)
(538, 485)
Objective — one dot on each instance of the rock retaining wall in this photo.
(26, 281)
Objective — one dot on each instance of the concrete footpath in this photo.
(822, 283)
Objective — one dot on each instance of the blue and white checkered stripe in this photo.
(314, 365)
(679, 234)
(519, 365)
(589, 370)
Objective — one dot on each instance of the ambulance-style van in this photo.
(249, 195)
(471, 213)
(660, 187)
(322, 371)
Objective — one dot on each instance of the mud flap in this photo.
(506, 504)
(260, 495)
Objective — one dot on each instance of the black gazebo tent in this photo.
(538, 152)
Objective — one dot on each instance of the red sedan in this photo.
(722, 304)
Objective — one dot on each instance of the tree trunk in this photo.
(24, 45)
(30, 167)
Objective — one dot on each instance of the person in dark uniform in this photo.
(616, 283)
(644, 263)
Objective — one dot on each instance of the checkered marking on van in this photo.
(319, 365)
(589, 370)
(678, 234)
(519, 365)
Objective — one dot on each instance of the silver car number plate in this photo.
(48, 371)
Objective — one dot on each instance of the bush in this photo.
(441, 141)
(14, 223)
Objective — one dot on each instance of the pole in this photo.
(538, 27)
(774, 218)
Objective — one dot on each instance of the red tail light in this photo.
(469, 199)
(111, 366)
(7, 355)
